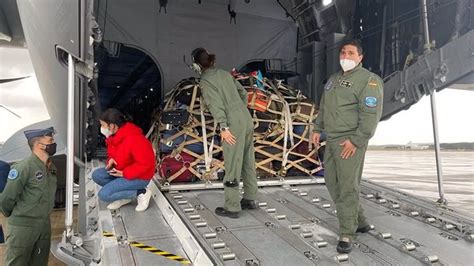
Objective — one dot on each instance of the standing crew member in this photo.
(27, 201)
(350, 110)
(227, 102)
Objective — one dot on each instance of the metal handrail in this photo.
(70, 148)
(434, 115)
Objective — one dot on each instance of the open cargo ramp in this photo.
(294, 225)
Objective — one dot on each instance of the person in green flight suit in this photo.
(227, 102)
(27, 201)
(350, 109)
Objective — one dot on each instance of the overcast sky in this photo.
(455, 108)
(22, 97)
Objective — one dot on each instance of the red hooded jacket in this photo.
(132, 152)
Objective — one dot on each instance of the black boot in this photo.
(364, 229)
(344, 246)
(223, 212)
(246, 204)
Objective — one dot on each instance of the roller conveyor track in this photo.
(297, 226)
(148, 228)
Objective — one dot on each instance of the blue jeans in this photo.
(117, 188)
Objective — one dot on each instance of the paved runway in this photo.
(415, 172)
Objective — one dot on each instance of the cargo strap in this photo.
(207, 151)
(286, 108)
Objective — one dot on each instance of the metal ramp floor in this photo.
(298, 225)
(148, 228)
(294, 226)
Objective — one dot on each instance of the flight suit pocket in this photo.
(38, 188)
(34, 198)
(21, 236)
(347, 121)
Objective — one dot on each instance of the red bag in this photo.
(257, 100)
(302, 148)
(170, 165)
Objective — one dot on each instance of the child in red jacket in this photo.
(130, 163)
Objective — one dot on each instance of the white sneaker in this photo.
(143, 200)
(118, 203)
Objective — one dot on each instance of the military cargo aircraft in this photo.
(89, 55)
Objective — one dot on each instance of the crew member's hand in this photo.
(227, 136)
(315, 139)
(110, 164)
(115, 172)
(348, 149)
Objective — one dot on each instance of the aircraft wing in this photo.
(2, 81)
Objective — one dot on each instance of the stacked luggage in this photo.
(188, 146)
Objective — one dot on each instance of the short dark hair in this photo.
(202, 57)
(196, 54)
(355, 43)
(32, 142)
(114, 116)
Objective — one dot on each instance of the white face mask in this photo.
(105, 131)
(347, 64)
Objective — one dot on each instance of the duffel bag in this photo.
(167, 145)
(261, 126)
(174, 117)
(186, 91)
(170, 165)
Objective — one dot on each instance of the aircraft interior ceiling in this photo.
(128, 80)
(141, 59)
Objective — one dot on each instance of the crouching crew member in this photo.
(130, 164)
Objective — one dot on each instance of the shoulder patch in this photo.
(39, 175)
(328, 85)
(371, 102)
(13, 174)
